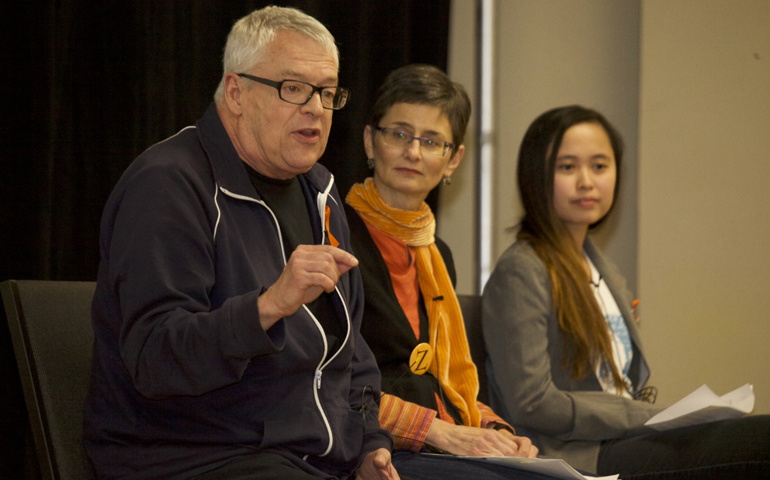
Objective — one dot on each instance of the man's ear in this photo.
(232, 88)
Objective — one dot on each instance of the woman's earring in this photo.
(370, 162)
(447, 181)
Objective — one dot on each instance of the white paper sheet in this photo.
(553, 467)
(702, 406)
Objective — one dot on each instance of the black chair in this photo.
(471, 307)
(52, 336)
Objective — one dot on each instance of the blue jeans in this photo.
(417, 466)
(728, 449)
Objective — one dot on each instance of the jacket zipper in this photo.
(316, 383)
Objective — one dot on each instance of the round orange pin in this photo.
(421, 358)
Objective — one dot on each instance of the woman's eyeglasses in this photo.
(428, 145)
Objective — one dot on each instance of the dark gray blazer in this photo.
(529, 385)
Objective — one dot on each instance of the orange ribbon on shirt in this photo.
(332, 240)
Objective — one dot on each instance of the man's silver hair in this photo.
(251, 36)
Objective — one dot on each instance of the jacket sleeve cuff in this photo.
(248, 336)
(406, 421)
(489, 419)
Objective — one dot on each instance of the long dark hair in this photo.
(580, 318)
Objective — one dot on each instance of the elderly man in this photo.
(227, 308)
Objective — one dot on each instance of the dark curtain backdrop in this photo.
(88, 85)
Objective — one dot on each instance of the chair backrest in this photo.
(52, 336)
(471, 307)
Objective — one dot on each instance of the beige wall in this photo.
(457, 202)
(554, 53)
(704, 227)
(687, 83)
(592, 58)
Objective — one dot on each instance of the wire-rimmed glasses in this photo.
(428, 145)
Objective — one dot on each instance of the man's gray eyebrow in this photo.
(294, 75)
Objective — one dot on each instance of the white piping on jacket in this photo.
(250, 199)
(174, 135)
(219, 212)
(321, 205)
(316, 383)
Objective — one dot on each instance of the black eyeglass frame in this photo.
(447, 145)
(342, 92)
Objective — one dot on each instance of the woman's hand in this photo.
(526, 449)
(377, 466)
(478, 442)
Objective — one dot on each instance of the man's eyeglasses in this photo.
(299, 93)
(428, 145)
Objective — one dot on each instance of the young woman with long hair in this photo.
(566, 363)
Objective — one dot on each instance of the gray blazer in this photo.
(528, 384)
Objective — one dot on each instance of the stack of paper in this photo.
(702, 406)
(552, 467)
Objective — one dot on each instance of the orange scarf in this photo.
(445, 319)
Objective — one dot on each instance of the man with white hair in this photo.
(227, 309)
